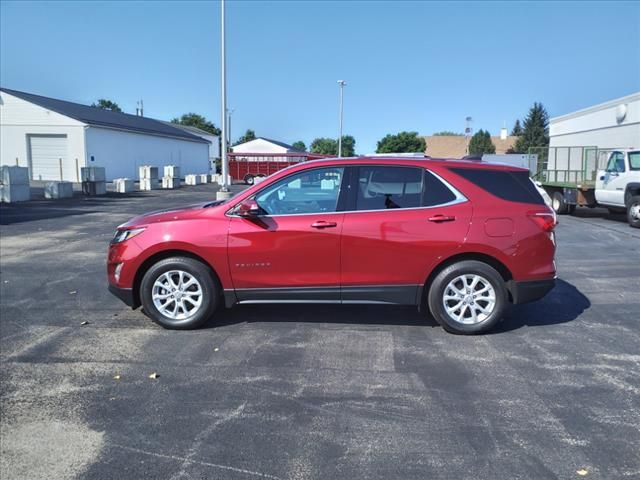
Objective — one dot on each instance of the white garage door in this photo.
(45, 154)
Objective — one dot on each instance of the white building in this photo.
(613, 124)
(267, 146)
(214, 141)
(55, 138)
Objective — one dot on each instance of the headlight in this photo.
(122, 235)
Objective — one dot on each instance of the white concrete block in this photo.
(172, 171)
(123, 185)
(170, 182)
(14, 175)
(204, 178)
(58, 190)
(93, 174)
(147, 171)
(94, 188)
(149, 183)
(10, 193)
(192, 179)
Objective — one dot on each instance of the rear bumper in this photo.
(524, 292)
(124, 294)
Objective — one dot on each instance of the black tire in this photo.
(208, 286)
(633, 211)
(558, 203)
(436, 302)
(249, 179)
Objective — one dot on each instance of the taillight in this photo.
(547, 221)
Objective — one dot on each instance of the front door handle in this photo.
(323, 224)
(442, 218)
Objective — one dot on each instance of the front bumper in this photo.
(524, 292)
(124, 294)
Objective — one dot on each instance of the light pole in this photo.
(229, 113)
(224, 192)
(342, 83)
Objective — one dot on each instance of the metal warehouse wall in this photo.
(609, 125)
(121, 153)
(20, 119)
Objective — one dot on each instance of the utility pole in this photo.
(224, 192)
(229, 113)
(341, 83)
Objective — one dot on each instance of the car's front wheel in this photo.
(467, 297)
(179, 293)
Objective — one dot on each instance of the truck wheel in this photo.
(558, 203)
(633, 212)
(249, 179)
(571, 209)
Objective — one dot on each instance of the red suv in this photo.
(461, 238)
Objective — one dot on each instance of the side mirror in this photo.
(248, 208)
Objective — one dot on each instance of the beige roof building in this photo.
(455, 146)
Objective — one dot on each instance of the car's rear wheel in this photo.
(179, 293)
(633, 212)
(468, 297)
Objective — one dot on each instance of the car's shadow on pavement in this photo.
(563, 304)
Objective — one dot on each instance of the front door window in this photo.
(307, 192)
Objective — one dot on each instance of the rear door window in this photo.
(507, 185)
(383, 188)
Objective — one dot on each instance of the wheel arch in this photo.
(631, 190)
(155, 258)
(493, 262)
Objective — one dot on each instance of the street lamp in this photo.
(229, 113)
(341, 83)
(224, 192)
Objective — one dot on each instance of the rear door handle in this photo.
(442, 218)
(323, 224)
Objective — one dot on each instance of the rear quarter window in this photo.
(510, 186)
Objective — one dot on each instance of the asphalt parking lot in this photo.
(309, 392)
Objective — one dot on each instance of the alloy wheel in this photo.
(177, 294)
(469, 299)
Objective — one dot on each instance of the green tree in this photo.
(403, 142)
(105, 104)
(481, 143)
(247, 137)
(535, 131)
(329, 146)
(517, 129)
(299, 145)
(348, 146)
(447, 133)
(194, 120)
(324, 146)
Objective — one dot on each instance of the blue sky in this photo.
(420, 66)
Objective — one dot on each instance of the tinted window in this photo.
(511, 186)
(436, 192)
(381, 188)
(310, 191)
(634, 160)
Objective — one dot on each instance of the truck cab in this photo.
(618, 186)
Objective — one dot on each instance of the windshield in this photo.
(634, 160)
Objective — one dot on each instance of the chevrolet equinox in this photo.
(461, 239)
